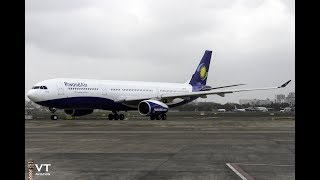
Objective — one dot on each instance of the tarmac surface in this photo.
(177, 148)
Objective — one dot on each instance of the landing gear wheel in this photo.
(152, 117)
(158, 117)
(54, 117)
(163, 116)
(116, 116)
(110, 117)
(121, 117)
(53, 110)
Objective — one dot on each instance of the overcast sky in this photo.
(253, 42)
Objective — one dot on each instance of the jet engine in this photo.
(152, 107)
(78, 112)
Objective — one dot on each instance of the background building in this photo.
(291, 98)
(264, 102)
(280, 98)
(255, 102)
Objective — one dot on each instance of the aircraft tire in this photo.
(121, 117)
(116, 116)
(54, 117)
(110, 117)
(163, 116)
(158, 117)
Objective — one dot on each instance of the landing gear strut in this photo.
(53, 110)
(158, 117)
(115, 116)
(163, 116)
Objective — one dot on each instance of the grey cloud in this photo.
(252, 41)
(45, 6)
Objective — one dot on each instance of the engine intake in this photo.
(78, 112)
(152, 107)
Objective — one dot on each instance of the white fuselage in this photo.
(99, 94)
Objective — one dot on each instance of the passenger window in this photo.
(45, 87)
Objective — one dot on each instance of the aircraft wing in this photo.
(195, 94)
(211, 88)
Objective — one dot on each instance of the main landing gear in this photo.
(115, 116)
(53, 110)
(158, 117)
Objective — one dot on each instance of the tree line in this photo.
(211, 106)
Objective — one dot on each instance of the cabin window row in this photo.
(91, 89)
(170, 91)
(132, 90)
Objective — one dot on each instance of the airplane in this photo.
(238, 110)
(250, 109)
(78, 97)
(221, 110)
(258, 109)
(286, 109)
(261, 109)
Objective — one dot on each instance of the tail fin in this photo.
(199, 78)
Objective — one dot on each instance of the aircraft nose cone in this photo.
(31, 95)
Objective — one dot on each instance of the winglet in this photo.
(285, 84)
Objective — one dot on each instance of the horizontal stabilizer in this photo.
(285, 84)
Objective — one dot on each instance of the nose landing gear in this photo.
(54, 117)
(53, 110)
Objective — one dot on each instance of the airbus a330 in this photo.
(78, 97)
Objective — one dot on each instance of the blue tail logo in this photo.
(199, 78)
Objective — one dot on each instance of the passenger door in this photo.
(104, 90)
(60, 88)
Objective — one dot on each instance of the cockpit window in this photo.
(39, 87)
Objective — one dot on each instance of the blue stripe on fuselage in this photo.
(85, 102)
(94, 103)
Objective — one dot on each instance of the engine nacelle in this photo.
(152, 107)
(78, 112)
